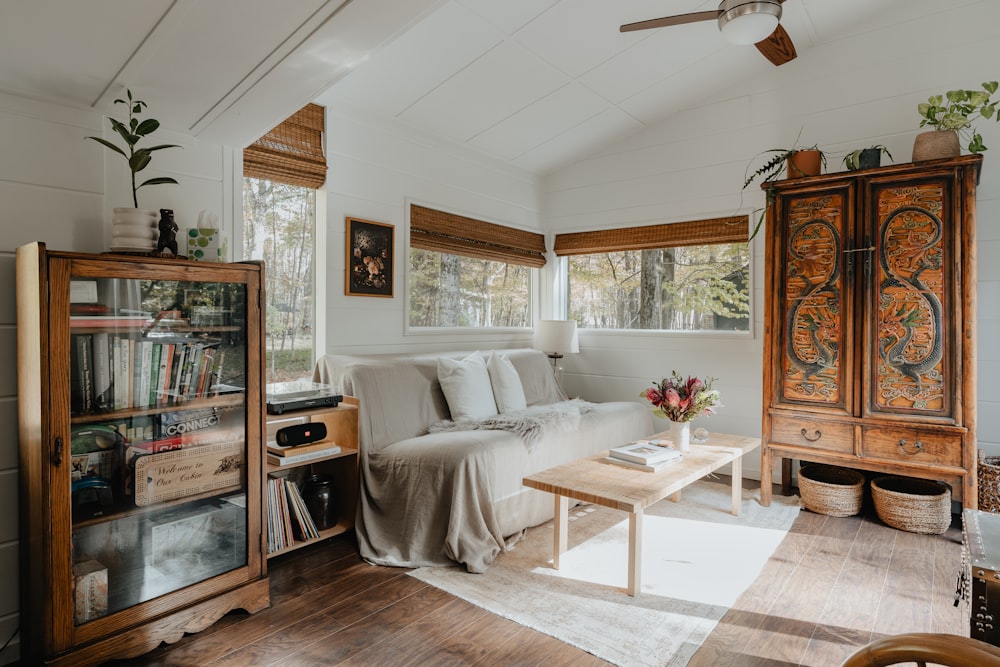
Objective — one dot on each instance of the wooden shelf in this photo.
(342, 428)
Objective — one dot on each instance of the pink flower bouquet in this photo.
(682, 400)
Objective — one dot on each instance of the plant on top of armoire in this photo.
(951, 115)
(793, 162)
(135, 228)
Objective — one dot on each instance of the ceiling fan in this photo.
(741, 22)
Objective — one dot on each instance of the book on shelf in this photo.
(644, 452)
(295, 450)
(648, 467)
(301, 458)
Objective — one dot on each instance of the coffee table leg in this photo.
(634, 552)
(737, 469)
(561, 527)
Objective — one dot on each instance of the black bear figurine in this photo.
(168, 232)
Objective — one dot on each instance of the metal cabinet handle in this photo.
(57, 452)
(817, 434)
(917, 447)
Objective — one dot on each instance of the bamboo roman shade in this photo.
(292, 152)
(734, 229)
(457, 235)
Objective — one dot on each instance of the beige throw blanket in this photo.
(529, 424)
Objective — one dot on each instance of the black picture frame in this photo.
(369, 247)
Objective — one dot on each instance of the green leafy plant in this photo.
(853, 159)
(137, 158)
(770, 171)
(957, 109)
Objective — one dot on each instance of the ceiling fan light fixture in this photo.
(744, 22)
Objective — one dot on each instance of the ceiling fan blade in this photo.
(679, 19)
(778, 47)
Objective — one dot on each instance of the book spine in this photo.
(299, 458)
(102, 372)
(143, 372)
(85, 371)
(154, 374)
(179, 360)
(166, 364)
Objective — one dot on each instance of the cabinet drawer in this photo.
(814, 433)
(912, 445)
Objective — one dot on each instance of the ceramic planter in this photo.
(936, 144)
(804, 163)
(134, 230)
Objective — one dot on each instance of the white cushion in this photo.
(507, 389)
(466, 386)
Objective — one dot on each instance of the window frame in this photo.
(534, 283)
(561, 266)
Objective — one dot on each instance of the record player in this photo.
(285, 397)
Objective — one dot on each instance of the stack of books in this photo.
(284, 456)
(649, 455)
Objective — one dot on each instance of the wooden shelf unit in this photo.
(342, 428)
(107, 573)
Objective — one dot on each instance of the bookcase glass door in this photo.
(158, 423)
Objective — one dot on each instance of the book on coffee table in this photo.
(644, 452)
(650, 467)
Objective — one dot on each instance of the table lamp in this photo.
(556, 338)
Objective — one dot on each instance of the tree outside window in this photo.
(448, 290)
(685, 288)
(279, 228)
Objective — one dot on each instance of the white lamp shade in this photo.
(556, 337)
(744, 22)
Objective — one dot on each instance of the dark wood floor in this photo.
(833, 585)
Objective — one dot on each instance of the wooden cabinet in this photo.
(140, 422)
(340, 469)
(870, 323)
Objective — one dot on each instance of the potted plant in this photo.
(794, 162)
(951, 116)
(866, 158)
(135, 228)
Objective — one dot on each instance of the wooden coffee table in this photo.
(595, 480)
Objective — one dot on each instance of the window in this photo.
(690, 276)
(282, 171)
(469, 273)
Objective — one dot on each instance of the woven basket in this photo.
(914, 505)
(989, 483)
(830, 490)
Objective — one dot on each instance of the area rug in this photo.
(697, 559)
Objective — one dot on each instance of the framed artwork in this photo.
(369, 258)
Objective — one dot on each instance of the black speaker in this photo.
(300, 434)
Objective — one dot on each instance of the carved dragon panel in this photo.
(814, 317)
(910, 301)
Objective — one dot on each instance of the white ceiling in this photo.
(535, 83)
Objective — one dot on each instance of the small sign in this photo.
(188, 472)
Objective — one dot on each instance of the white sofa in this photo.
(455, 496)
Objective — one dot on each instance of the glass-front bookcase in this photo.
(140, 442)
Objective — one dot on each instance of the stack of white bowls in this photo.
(134, 230)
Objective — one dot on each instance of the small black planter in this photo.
(870, 158)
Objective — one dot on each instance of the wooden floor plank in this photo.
(816, 600)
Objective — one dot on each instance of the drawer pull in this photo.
(817, 434)
(916, 448)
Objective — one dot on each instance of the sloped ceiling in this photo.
(535, 83)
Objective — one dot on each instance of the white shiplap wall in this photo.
(375, 171)
(52, 185)
(692, 165)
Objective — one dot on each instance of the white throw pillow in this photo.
(507, 389)
(466, 386)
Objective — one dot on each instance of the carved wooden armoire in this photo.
(870, 323)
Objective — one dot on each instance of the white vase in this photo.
(134, 230)
(680, 433)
